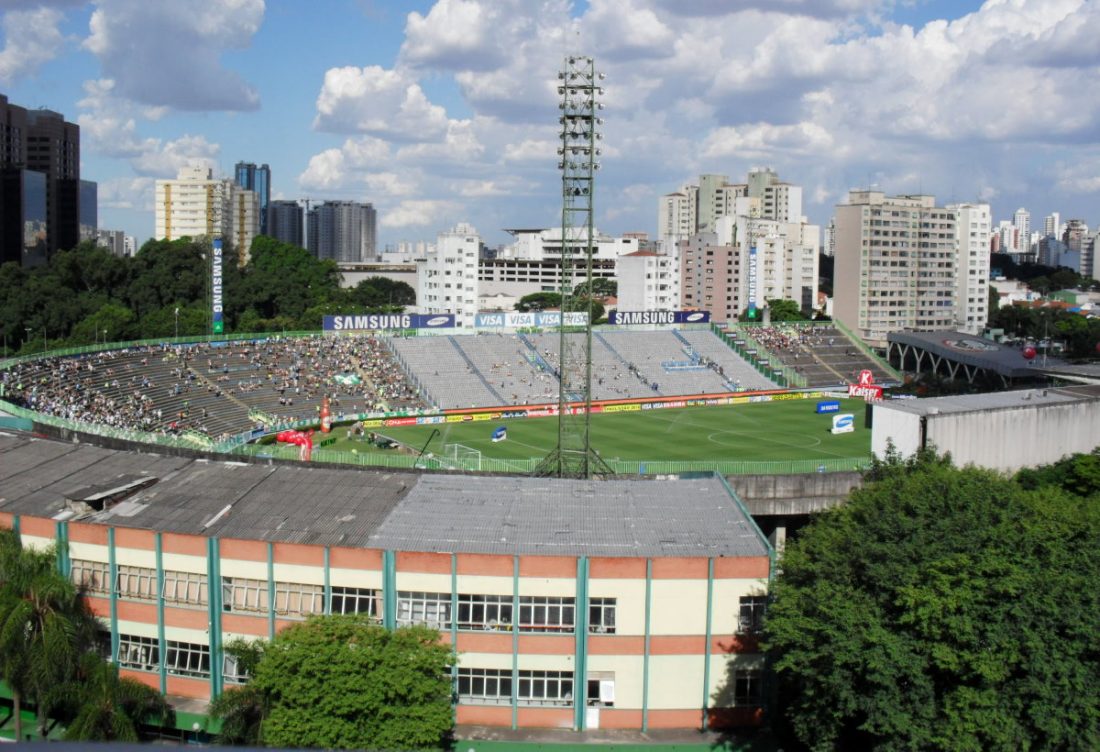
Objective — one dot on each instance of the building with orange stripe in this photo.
(572, 604)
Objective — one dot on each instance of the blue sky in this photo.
(442, 112)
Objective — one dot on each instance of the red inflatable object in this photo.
(303, 440)
(1029, 352)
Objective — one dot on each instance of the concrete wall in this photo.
(785, 495)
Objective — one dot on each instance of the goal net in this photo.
(462, 456)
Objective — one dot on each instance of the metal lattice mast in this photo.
(580, 91)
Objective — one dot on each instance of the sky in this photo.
(446, 112)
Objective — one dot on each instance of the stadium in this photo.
(628, 603)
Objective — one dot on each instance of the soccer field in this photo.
(785, 430)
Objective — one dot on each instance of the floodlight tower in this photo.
(580, 90)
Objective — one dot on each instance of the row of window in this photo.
(490, 612)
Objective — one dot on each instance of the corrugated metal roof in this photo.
(968, 403)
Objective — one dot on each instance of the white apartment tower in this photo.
(1052, 225)
(895, 265)
(676, 216)
(648, 281)
(973, 226)
(1021, 222)
(447, 276)
(196, 204)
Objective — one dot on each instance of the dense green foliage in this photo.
(1079, 474)
(47, 655)
(87, 295)
(1079, 334)
(1041, 278)
(342, 682)
(941, 609)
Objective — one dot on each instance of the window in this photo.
(187, 658)
(232, 671)
(351, 600)
(484, 611)
(297, 599)
(545, 687)
(747, 687)
(137, 582)
(545, 614)
(432, 609)
(601, 615)
(241, 594)
(488, 685)
(188, 588)
(138, 652)
(751, 617)
(91, 576)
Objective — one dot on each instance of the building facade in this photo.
(196, 204)
(258, 180)
(895, 265)
(592, 634)
(286, 222)
(342, 231)
(447, 276)
(973, 228)
(648, 281)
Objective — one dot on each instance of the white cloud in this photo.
(31, 38)
(126, 193)
(167, 159)
(167, 54)
(762, 140)
(426, 214)
(386, 103)
(531, 150)
(454, 34)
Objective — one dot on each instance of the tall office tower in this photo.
(973, 226)
(895, 265)
(342, 231)
(196, 204)
(1021, 221)
(53, 147)
(285, 222)
(258, 180)
(676, 215)
(1052, 225)
(1076, 238)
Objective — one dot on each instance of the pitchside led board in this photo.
(626, 318)
(217, 321)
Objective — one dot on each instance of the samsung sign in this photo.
(625, 318)
(377, 321)
(828, 407)
(217, 306)
(752, 282)
(844, 423)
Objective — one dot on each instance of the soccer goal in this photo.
(462, 456)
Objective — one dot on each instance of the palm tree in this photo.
(112, 708)
(44, 628)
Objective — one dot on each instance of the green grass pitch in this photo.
(784, 430)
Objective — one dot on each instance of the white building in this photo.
(1021, 221)
(113, 240)
(973, 225)
(447, 276)
(648, 281)
(697, 208)
(676, 215)
(196, 204)
(1052, 225)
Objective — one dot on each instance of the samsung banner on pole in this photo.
(536, 320)
(626, 318)
(752, 282)
(379, 321)
(218, 308)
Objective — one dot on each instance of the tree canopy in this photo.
(941, 609)
(342, 682)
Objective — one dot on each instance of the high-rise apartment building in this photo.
(1052, 225)
(41, 141)
(697, 208)
(342, 231)
(676, 215)
(1076, 238)
(447, 276)
(258, 180)
(286, 222)
(648, 281)
(196, 204)
(895, 265)
(973, 226)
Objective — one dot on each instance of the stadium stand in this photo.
(821, 353)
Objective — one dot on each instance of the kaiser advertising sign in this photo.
(536, 320)
(217, 321)
(627, 318)
(866, 387)
(379, 321)
(845, 423)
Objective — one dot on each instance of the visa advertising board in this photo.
(380, 321)
(626, 318)
(533, 319)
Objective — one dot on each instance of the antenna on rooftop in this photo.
(580, 90)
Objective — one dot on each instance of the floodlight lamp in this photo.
(599, 136)
(601, 76)
(572, 60)
(561, 90)
(561, 165)
(561, 74)
(561, 150)
(599, 90)
(599, 121)
(561, 105)
(599, 105)
(595, 165)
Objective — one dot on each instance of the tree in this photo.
(994, 300)
(242, 710)
(539, 301)
(602, 287)
(45, 628)
(342, 682)
(110, 708)
(785, 310)
(941, 609)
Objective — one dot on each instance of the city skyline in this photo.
(447, 113)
